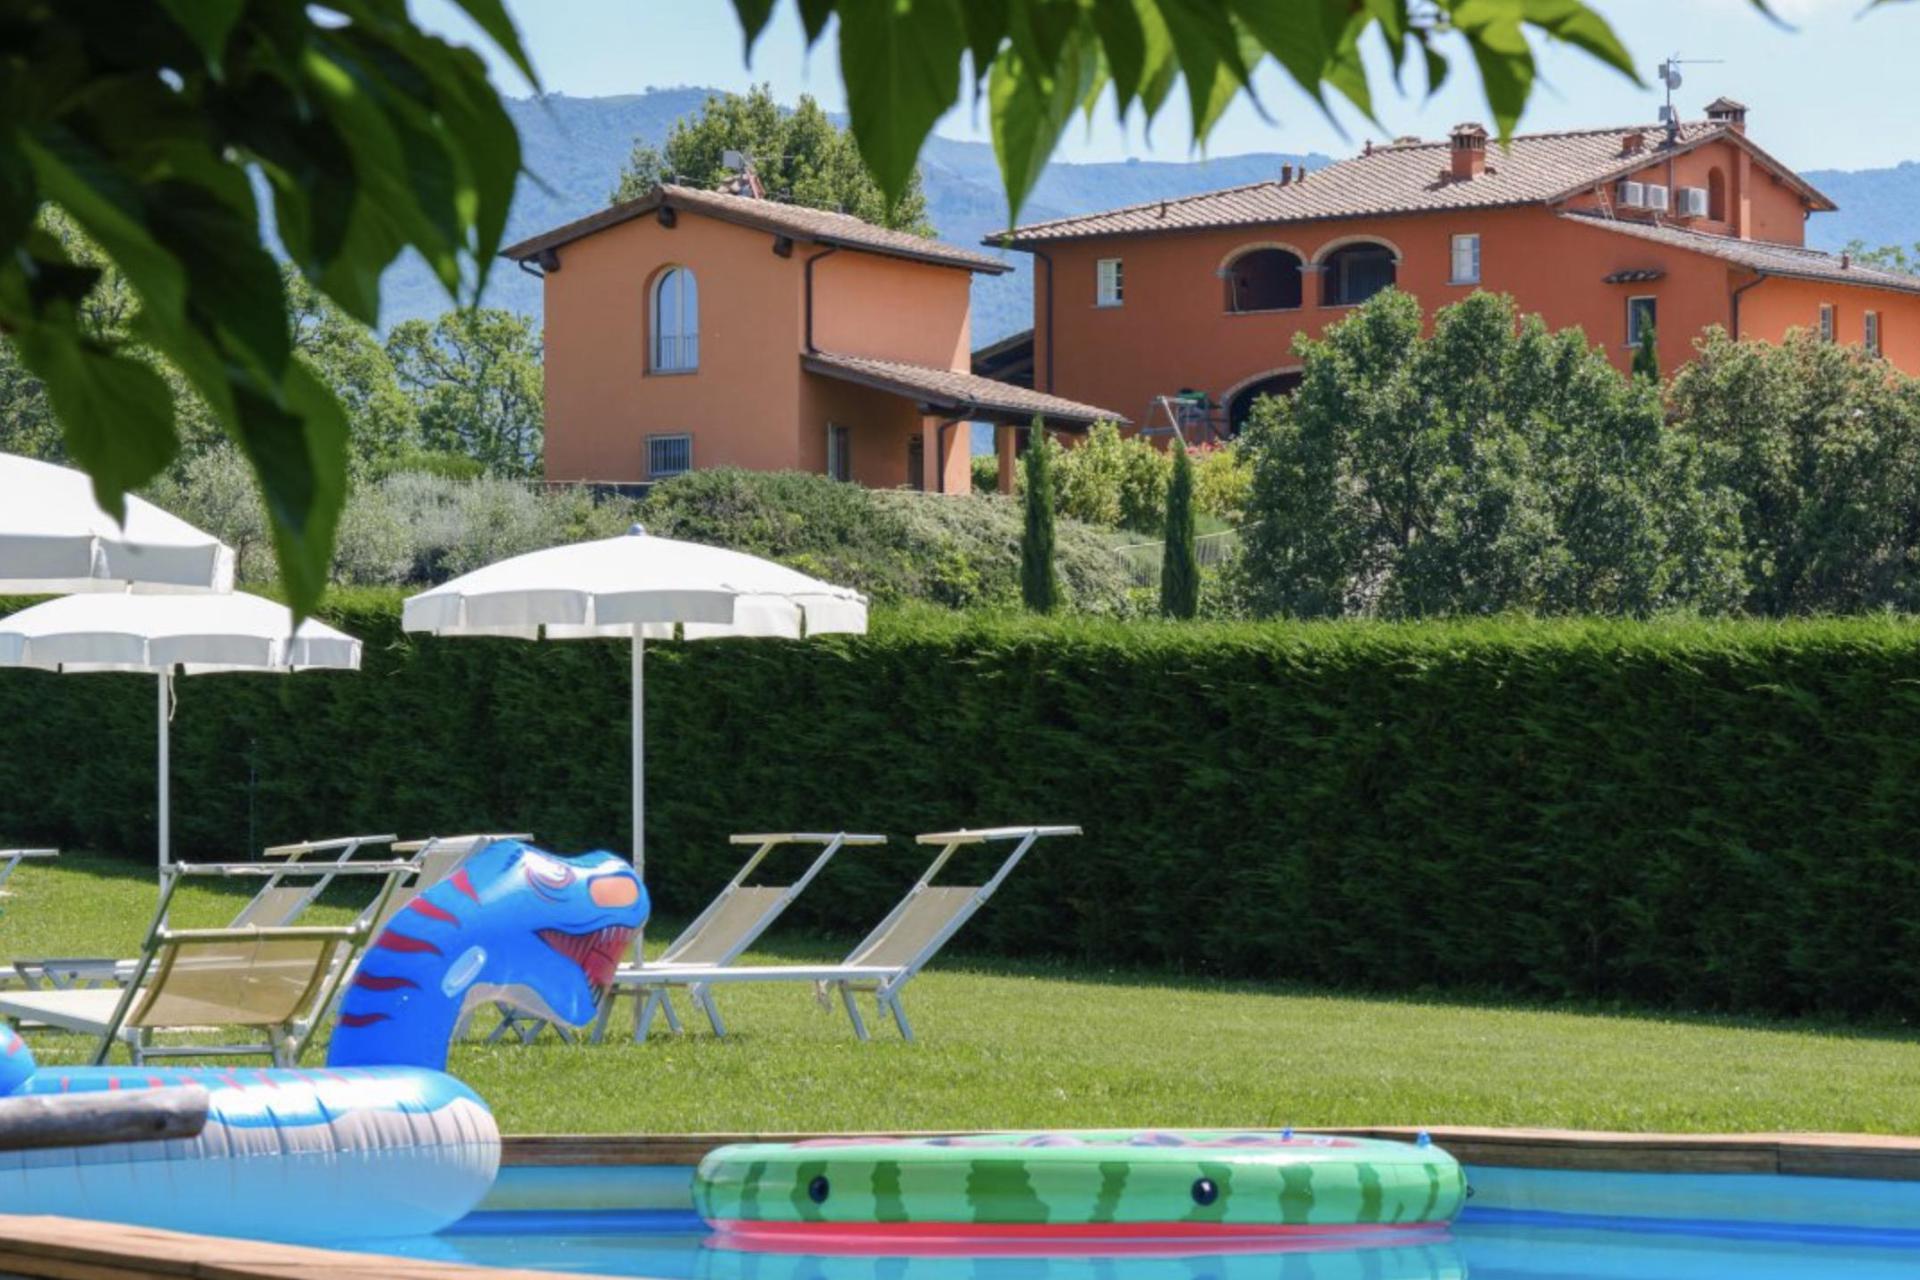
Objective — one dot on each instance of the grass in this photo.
(1031, 1046)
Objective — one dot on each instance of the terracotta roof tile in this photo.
(816, 226)
(957, 390)
(1757, 255)
(1408, 177)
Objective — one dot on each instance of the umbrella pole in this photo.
(639, 755)
(165, 715)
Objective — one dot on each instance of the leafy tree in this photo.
(1492, 466)
(1887, 257)
(1819, 447)
(372, 137)
(382, 422)
(1180, 565)
(1039, 580)
(474, 376)
(800, 156)
(1646, 355)
(147, 125)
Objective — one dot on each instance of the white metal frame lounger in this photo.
(288, 890)
(732, 922)
(266, 978)
(886, 959)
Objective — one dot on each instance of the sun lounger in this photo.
(12, 858)
(267, 979)
(304, 872)
(886, 960)
(731, 923)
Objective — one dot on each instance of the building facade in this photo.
(1679, 228)
(694, 328)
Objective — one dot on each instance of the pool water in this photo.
(1522, 1225)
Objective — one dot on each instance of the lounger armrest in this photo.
(489, 837)
(687, 975)
(242, 870)
(248, 933)
(79, 968)
(805, 837)
(29, 853)
(985, 834)
(322, 846)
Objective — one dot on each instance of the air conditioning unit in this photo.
(1656, 197)
(1693, 202)
(1631, 195)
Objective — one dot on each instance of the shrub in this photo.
(1222, 481)
(1108, 480)
(952, 550)
(1693, 815)
(985, 468)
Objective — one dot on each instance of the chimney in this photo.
(1725, 111)
(1286, 174)
(1469, 145)
(1633, 142)
(1846, 260)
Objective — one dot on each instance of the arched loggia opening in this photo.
(1263, 279)
(1355, 272)
(1240, 400)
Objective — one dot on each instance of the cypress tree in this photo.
(1646, 357)
(1039, 583)
(1180, 565)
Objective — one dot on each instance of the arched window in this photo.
(676, 321)
(1353, 273)
(1716, 194)
(1265, 279)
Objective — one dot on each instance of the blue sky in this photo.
(1835, 92)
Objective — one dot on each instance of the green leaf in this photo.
(1124, 42)
(753, 15)
(813, 18)
(299, 455)
(209, 23)
(1028, 112)
(491, 17)
(1499, 46)
(1581, 27)
(115, 412)
(1209, 51)
(987, 24)
(901, 63)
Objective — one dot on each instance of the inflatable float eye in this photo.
(817, 1190)
(1205, 1191)
(549, 879)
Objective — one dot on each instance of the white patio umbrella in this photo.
(160, 635)
(640, 588)
(55, 539)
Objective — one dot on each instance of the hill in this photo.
(574, 149)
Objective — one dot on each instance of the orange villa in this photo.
(708, 328)
(1604, 229)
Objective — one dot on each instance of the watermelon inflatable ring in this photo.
(1142, 1186)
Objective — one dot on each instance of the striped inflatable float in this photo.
(1089, 1186)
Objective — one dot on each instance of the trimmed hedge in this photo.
(1691, 815)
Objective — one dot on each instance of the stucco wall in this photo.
(891, 309)
(1173, 331)
(602, 399)
(1770, 309)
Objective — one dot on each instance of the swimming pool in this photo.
(1522, 1225)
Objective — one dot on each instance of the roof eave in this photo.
(641, 206)
(1011, 414)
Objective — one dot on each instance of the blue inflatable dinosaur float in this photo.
(381, 1142)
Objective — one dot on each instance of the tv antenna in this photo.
(1669, 74)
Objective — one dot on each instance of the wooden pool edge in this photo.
(1819, 1155)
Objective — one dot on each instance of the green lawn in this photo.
(1021, 1045)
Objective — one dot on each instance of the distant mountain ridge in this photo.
(574, 149)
